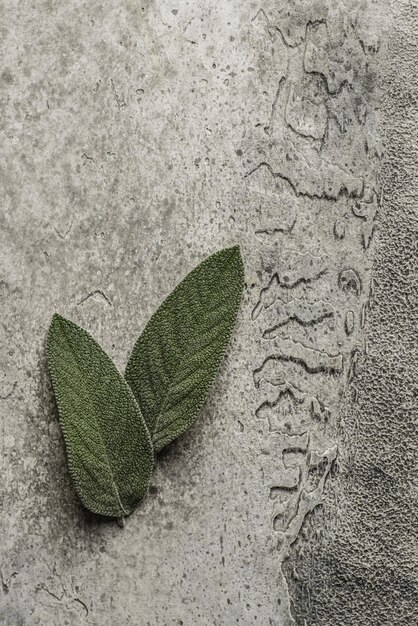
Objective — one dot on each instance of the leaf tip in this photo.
(234, 250)
(59, 320)
(233, 254)
(56, 319)
(55, 327)
(236, 257)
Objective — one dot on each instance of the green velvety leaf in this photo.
(176, 358)
(109, 448)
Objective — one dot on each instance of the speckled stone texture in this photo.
(136, 139)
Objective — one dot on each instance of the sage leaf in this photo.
(175, 360)
(109, 449)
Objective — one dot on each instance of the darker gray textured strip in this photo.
(363, 570)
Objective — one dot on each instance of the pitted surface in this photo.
(138, 139)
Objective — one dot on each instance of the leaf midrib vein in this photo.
(113, 482)
(185, 356)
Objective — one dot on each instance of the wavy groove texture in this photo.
(176, 358)
(109, 449)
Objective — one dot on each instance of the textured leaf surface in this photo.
(109, 449)
(176, 358)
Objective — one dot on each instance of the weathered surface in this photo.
(136, 140)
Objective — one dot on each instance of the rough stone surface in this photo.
(137, 138)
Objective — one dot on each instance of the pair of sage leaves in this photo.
(113, 424)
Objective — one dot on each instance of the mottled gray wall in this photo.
(136, 138)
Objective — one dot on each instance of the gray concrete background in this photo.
(137, 138)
